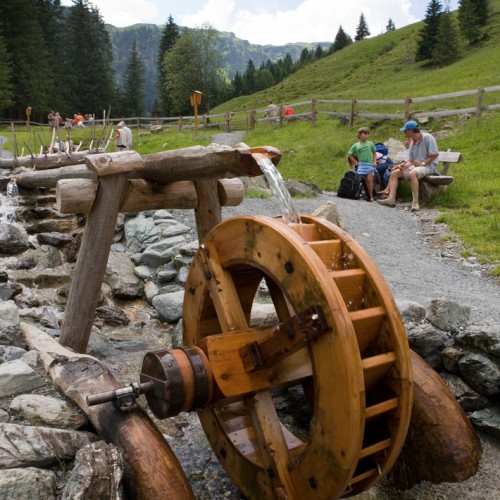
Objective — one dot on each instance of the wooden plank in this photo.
(330, 252)
(375, 448)
(376, 367)
(381, 408)
(271, 441)
(367, 324)
(438, 180)
(351, 283)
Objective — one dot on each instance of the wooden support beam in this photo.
(76, 196)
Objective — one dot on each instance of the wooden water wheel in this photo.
(353, 370)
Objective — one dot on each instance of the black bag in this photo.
(350, 186)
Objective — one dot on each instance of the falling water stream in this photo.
(290, 213)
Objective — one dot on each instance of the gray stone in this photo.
(28, 483)
(13, 240)
(150, 290)
(480, 373)
(483, 337)
(140, 232)
(487, 420)
(183, 275)
(27, 446)
(9, 314)
(54, 239)
(329, 212)
(257, 184)
(51, 411)
(263, 315)
(446, 314)
(4, 417)
(17, 377)
(121, 278)
(411, 310)
(166, 275)
(10, 353)
(468, 398)
(160, 253)
(169, 306)
(163, 214)
(428, 342)
(298, 188)
(96, 475)
(189, 249)
(169, 229)
(142, 272)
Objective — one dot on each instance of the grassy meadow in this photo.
(379, 68)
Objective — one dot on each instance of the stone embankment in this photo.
(47, 448)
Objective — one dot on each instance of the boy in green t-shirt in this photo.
(362, 156)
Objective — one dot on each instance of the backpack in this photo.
(350, 186)
(381, 148)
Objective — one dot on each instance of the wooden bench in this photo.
(433, 184)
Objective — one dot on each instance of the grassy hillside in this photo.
(383, 67)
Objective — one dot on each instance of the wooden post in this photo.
(195, 102)
(352, 113)
(479, 104)
(251, 119)
(228, 122)
(180, 122)
(208, 212)
(407, 107)
(313, 111)
(28, 114)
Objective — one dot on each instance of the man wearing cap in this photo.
(422, 160)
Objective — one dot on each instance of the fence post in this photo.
(352, 113)
(251, 119)
(407, 107)
(313, 111)
(479, 104)
(180, 122)
(228, 121)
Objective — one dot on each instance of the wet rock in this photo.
(161, 252)
(28, 483)
(169, 306)
(13, 240)
(112, 315)
(166, 275)
(16, 377)
(468, 398)
(54, 239)
(43, 278)
(446, 314)
(482, 374)
(51, 411)
(450, 357)
(27, 446)
(97, 473)
(67, 225)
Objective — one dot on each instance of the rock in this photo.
(263, 315)
(428, 342)
(446, 314)
(467, 398)
(51, 411)
(27, 446)
(120, 276)
(169, 306)
(9, 314)
(10, 353)
(4, 417)
(161, 252)
(487, 420)
(482, 374)
(28, 483)
(450, 357)
(96, 475)
(257, 184)
(54, 239)
(329, 212)
(298, 188)
(140, 232)
(171, 228)
(53, 226)
(112, 315)
(42, 278)
(142, 272)
(13, 240)
(411, 310)
(166, 275)
(483, 337)
(17, 377)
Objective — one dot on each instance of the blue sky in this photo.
(274, 22)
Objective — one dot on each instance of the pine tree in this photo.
(169, 37)
(87, 58)
(362, 30)
(428, 33)
(133, 95)
(390, 26)
(6, 88)
(342, 39)
(447, 49)
(249, 78)
(472, 16)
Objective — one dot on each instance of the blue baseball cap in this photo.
(410, 124)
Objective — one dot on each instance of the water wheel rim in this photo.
(326, 463)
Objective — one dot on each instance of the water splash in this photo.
(12, 188)
(8, 206)
(290, 213)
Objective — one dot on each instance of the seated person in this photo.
(363, 157)
(422, 160)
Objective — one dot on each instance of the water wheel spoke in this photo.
(282, 306)
(222, 290)
(271, 442)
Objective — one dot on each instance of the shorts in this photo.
(365, 168)
(421, 172)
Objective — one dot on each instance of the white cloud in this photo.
(311, 21)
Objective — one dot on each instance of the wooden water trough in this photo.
(339, 342)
